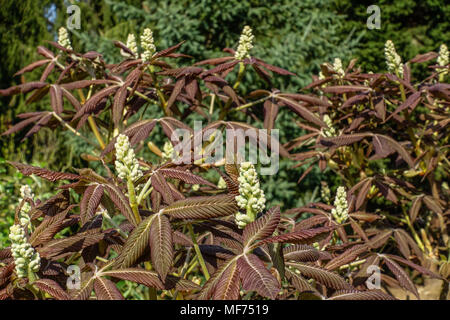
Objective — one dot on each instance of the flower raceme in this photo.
(443, 58)
(26, 259)
(340, 210)
(25, 193)
(168, 151)
(330, 131)
(393, 60)
(126, 162)
(337, 66)
(251, 197)
(63, 38)
(148, 44)
(131, 43)
(245, 44)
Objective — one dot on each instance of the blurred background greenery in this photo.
(297, 35)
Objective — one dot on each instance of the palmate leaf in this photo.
(184, 176)
(52, 287)
(202, 207)
(301, 253)
(274, 68)
(52, 206)
(160, 184)
(43, 173)
(300, 283)
(31, 67)
(106, 290)
(51, 225)
(91, 104)
(380, 239)
(402, 242)
(151, 279)
(413, 265)
(90, 202)
(323, 276)
(262, 141)
(136, 132)
(56, 99)
(135, 245)
(301, 237)
(391, 143)
(74, 243)
(121, 202)
(347, 256)
(402, 277)
(303, 112)
(263, 227)
(228, 284)
(343, 140)
(362, 194)
(208, 288)
(255, 276)
(314, 101)
(141, 276)
(360, 295)
(24, 123)
(23, 88)
(415, 208)
(161, 245)
(167, 51)
(86, 287)
(270, 114)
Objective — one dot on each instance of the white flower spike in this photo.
(245, 44)
(251, 197)
(26, 259)
(340, 210)
(131, 44)
(393, 60)
(443, 58)
(63, 38)
(126, 162)
(147, 44)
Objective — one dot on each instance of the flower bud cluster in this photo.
(63, 38)
(340, 210)
(337, 67)
(245, 44)
(25, 193)
(443, 58)
(393, 60)
(221, 184)
(126, 162)
(325, 192)
(25, 257)
(330, 131)
(148, 44)
(251, 197)
(168, 151)
(131, 44)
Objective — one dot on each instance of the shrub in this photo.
(164, 225)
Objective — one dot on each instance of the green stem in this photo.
(133, 202)
(143, 194)
(225, 109)
(198, 252)
(247, 105)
